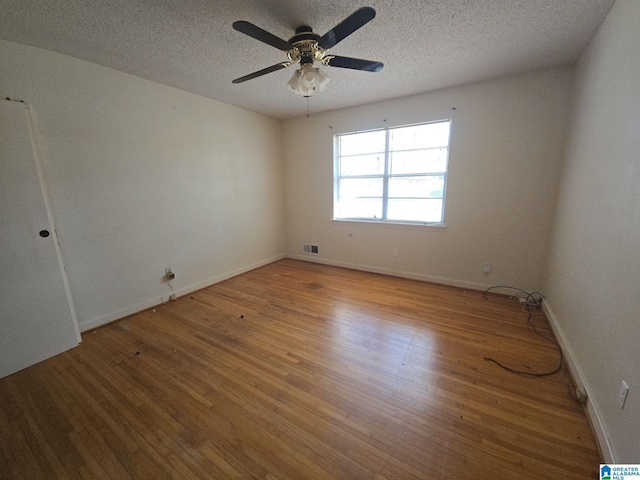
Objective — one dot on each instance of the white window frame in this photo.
(387, 175)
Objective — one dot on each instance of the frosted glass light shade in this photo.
(308, 81)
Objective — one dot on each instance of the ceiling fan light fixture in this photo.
(322, 80)
(307, 81)
(307, 47)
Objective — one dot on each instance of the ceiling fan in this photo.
(307, 47)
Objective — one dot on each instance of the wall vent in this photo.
(311, 249)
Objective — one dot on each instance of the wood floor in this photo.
(297, 371)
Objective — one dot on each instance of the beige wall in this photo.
(593, 278)
(144, 176)
(507, 141)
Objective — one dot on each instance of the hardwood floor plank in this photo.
(298, 370)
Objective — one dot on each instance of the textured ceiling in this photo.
(424, 44)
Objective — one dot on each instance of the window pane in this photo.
(362, 165)
(429, 211)
(359, 208)
(419, 161)
(415, 174)
(360, 187)
(359, 143)
(431, 186)
(420, 136)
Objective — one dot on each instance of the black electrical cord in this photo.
(529, 295)
(527, 304)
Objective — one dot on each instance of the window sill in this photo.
(411, 225)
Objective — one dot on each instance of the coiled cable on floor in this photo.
(530, 297)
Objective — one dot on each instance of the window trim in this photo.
(387, 175)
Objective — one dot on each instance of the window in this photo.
(393, 175)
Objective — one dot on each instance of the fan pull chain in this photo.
(307, 107)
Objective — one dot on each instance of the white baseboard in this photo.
(393, 273)
(581, 380)
(97, 322)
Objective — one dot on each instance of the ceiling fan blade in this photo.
(262, 35)
(355, 64)
(345, 28)
(264, 71)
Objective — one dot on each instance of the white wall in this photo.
(145, 176)
(593, 275)
(507, 142)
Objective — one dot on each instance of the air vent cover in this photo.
(311, 249)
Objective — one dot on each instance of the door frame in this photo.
(36, 147)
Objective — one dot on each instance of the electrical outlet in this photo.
(622, 394)
(395, 252)
(486, 268)
(168, 274)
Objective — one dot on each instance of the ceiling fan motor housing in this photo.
(306, 48)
